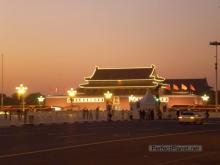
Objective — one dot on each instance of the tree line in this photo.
(30, 99)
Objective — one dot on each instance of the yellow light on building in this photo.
(108, 95)
(132, 98)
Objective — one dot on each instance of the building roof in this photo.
(119, 85)
(122, 74)
(200, 85)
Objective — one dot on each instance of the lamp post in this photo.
(132, 99)
(216, 44)
(2, 85)
(108, 98)
(71, 93)
(205, 98)
(21, 90)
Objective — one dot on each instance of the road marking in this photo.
(186, 158)
(99, 127)
(101, 142)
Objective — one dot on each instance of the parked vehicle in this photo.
(190, 117)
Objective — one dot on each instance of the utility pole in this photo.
(216, 44)
(2, 85)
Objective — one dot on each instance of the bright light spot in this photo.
(108, 95)
(21, 90)
(71, 93)
(57, 108)
(41, 99)
(205, 97)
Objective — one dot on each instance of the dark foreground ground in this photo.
(103, 143)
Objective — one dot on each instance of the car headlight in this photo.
(192, 117)
(180, 117)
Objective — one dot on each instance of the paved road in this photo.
(103, 143)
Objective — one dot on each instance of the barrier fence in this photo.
(42, 117)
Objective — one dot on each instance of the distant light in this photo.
(86, 100)
(41, 99)
(108, 95)
(157, 99)
(71, 93)
(133, 98)
(205, 97)
(164, 99)
(57, 108)
(21, 90)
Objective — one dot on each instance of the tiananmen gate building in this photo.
(130, 84)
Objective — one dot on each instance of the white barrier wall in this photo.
(79, 116)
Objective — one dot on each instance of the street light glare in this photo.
(71, 93)
(108, 95)
(41, 99)
(21, 89)
(205, 97)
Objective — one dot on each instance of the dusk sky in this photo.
(56, 43)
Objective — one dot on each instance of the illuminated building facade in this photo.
(131, 84)
(129, 81)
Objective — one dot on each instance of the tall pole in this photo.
(216, 77)
(71, 99)
(216, 44)
(2, 85)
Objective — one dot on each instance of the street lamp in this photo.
(21, 90)
(2, 85)
(205, 98)
(108, 97)
(40, 100)
(71, 93)
(216, 44)
(157, 99)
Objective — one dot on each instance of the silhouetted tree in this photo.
(31, 99)
(10, 100)
(14, 100)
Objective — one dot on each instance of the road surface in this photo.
(106, 143)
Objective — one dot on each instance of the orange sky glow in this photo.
(50, 44)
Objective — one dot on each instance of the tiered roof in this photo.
(123, 78)
(121, 74)
(199, 85)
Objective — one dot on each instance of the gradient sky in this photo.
(56, 43)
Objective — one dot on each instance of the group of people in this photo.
(146, 114)
(88, 114)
